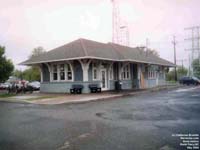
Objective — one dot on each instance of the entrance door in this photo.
(103, 79)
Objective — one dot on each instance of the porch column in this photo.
(41, 73)
(70, 62)
(85, 66)
(109, 70)
(139, 75)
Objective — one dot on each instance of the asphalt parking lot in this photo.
(141, 122)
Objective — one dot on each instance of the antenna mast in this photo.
(120, 30)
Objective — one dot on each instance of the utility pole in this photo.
(189, 67)
(198, 43)
(182, 60)
(147, 44)
(174, 43)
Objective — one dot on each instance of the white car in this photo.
(5, 85)
(35, 85)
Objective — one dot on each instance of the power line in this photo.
(194, 39)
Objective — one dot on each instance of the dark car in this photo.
(189, 81)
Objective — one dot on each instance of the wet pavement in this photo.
(140, 122)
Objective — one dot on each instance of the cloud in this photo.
(28, 24)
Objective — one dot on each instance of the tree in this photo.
(153, 51)
(148, 51)
(33, 72)
(196, 67)
(6, 65)
(181, 71)
(37, 51)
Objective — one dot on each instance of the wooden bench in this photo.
(94, 88)
(76, 89)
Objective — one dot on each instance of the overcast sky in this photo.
(26, 24)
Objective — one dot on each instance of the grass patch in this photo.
(4, 95)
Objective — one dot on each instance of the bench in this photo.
(76, 89)
(94, 88)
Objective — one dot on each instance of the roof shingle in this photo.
(83, 48)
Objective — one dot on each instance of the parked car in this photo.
(35, 85)
(4, 86)
(189, 81)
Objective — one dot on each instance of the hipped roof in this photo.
(88, 49)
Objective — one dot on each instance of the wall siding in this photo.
(63, 87)
(78, 72)
(133, 83)
(150, 83)
(111, 85)
(127, 84)
(90, 72)
(46, 74)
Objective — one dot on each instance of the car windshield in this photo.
(195, 78)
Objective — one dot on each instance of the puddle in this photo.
(24, 97)
(102, 115)
(185, 90)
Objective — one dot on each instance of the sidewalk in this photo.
(82, 98)
(52, 99)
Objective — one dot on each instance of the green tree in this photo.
(18, 73)
(6, 65)
(181, 71)
(37, 51)
(32, 73)
(196, 67)
(153, 51)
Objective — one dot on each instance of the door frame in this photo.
(106, 81)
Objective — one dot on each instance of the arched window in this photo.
(62, 72)
(69, 72)
(111, 72)
(94, 71)
(125, 74)
(55, 73)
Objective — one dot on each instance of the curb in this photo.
(118, 95)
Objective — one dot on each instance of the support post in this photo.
(85, 66)
(174, 43)
(41, 73)
(50, 71)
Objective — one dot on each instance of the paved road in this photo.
(132, 123)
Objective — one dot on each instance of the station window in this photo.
(125, 75)
(69, 73)
(94, 71)
(55, 72)
(62, 72)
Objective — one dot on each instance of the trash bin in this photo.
(118, 85)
